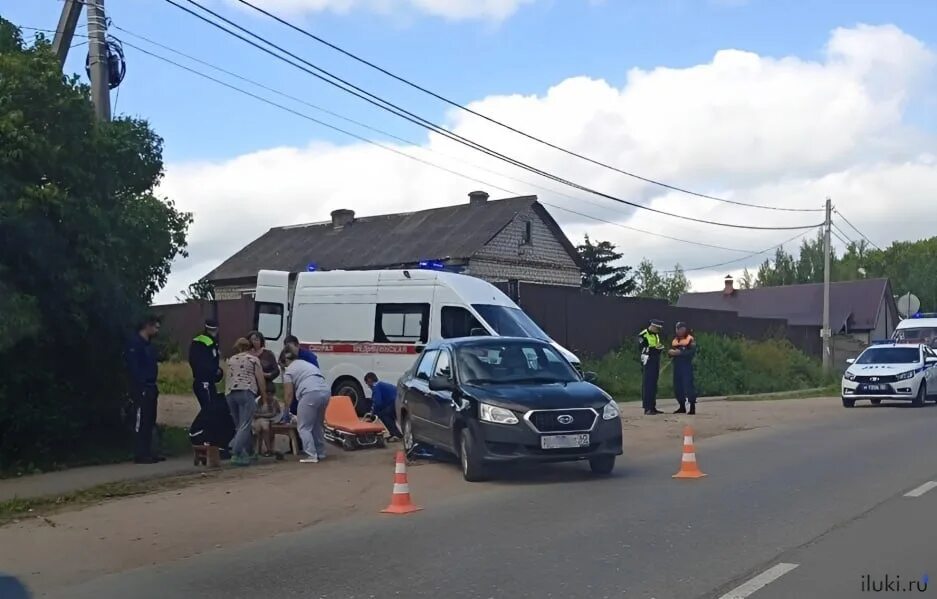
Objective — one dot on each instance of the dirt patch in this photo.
(50, 552)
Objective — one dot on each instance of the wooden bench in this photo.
(290, 431)
(206, 455)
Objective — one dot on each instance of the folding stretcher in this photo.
(342, 426)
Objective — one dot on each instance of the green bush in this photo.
(723, 366)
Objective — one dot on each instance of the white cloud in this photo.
(495, 10)
(784, 132)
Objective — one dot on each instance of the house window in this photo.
(528, 233)
(401, 323)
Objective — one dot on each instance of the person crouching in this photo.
(305, 382)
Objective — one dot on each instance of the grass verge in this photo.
(39, 507)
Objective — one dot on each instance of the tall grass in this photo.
(723, 366)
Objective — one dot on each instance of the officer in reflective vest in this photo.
(206, 369)
(651, 347)
(682, 352)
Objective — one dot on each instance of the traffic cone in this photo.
(688, 466)
(400, 500)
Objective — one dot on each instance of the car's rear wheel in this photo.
(849, 403)
(876, 402)
(602, 465)
(473, 470)
(921, 395)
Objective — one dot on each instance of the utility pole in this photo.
(97, 47)
(66, 29)
(826, 333)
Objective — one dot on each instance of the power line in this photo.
(840, 234)
(743, 258)
(861, 234)
(260, 98)
(422, 122)
(840, 237)
(509, 127)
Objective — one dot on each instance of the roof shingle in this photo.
(452, 232)
(854, 302)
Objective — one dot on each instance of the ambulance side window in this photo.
(458, 322)
(401, 323)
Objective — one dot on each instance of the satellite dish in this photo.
(908, 305)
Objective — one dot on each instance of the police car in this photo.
(892, 371)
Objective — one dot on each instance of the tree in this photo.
(651, 283)
(782, 271)
(747, 281)
(599, 273)
(84, 246)
(198, 291)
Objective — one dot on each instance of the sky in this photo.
(780, 104)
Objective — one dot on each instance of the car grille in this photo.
(877, 379)
(546, 421)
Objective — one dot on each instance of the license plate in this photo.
(875, 387)
(564, 441)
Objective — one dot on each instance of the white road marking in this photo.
(922, 489)
(762, 580)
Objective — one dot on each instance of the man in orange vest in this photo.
(682, 351)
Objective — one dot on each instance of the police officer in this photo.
(142, 366)
(682, 351)
(651, 346)
(204, 360)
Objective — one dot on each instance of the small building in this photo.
(495, 240)
(864, 310)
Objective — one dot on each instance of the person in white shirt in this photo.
(305, 382)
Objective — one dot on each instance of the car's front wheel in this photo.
(407, 429)
(921, 395)
(602, 465)
(473, 469)
(849, 403)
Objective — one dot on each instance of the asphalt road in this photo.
(826, 498)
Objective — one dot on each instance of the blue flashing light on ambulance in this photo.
(378, 320)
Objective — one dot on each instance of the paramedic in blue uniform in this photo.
(651, 347)
(204, 358)
(383, 403)
(143, 368)
(682, 351)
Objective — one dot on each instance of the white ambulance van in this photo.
(920, 328)
(378, 320)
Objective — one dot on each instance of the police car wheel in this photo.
(849, 403)
(921, 395)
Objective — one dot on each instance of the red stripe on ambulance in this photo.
(361, 348)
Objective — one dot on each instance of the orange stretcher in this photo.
(342, 426)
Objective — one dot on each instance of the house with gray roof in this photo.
(495, 240)
(863, 309)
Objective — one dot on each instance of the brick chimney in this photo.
(478, 198)
(730, 286)
(342, 218)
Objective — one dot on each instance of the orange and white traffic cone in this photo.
(688, 466)
(400, 500)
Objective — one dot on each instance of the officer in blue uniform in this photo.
(143, 368)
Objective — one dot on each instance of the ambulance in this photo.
(919, 329)
(379, 320)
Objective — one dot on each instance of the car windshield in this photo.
(512, 363)
(926, 335)
(510, 322)
(890, 355)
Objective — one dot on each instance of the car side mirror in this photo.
(851, 361)
(440, 383)
(930, 360)
(590, 377)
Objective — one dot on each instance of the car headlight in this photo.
(906, 375)
(490, 413)
(611, 411)
(849, 376)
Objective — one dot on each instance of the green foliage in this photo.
(723, 366)
(599, 273)
(84, 246)
(651, 283)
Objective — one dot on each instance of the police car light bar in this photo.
(882, 342)
(311, 267)
(925, 315)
